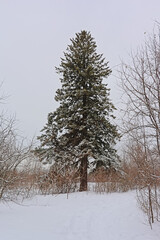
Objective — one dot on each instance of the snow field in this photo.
(83, 216)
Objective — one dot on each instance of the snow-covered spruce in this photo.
(79, 133)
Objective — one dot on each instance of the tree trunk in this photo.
(83, 174)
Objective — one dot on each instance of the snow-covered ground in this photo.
(83, 216)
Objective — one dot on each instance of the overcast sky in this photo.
(34, 34)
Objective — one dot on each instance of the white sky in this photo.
(34, 34)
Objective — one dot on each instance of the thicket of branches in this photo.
(141, 121)
(17, 176)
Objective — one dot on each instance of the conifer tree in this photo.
(79, 132)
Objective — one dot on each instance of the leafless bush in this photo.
(13, 154)
(26, 177)
(111, 181)
(59, 180)
(147, 178)
(148, 181)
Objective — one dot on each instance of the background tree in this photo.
(141, 85)
(79, 132)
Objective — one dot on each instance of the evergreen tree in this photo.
(79, 132)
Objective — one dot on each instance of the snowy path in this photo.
(84, 216)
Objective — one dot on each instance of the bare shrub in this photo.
(27, 178)
(147, 179)
(13, 154)
(111, 181)
(59, 180)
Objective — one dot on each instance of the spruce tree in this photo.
(79, 132)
